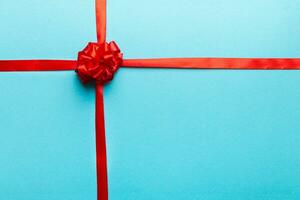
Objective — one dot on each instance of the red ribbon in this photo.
(99, 61)
(37, 65)
(217, 63)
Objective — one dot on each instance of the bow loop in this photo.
(99, 62)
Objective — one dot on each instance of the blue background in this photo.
(171, 134)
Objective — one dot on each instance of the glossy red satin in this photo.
(105, 73)
(101, 21)
(99, 62)
(37, 65)
(216, 63)
(102, 186)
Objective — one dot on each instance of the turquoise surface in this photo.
(171, 134)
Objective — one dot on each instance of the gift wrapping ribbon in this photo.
(99, 61)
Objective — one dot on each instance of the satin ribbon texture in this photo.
(98, 62)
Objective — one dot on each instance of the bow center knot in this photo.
(99, 62)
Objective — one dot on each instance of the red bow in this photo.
(99, 62)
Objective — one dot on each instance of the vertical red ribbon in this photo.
(101, 20)
(101, 160)
(102, 186)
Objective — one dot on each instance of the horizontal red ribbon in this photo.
(216, 63)
(179, 63)
(37, 65)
